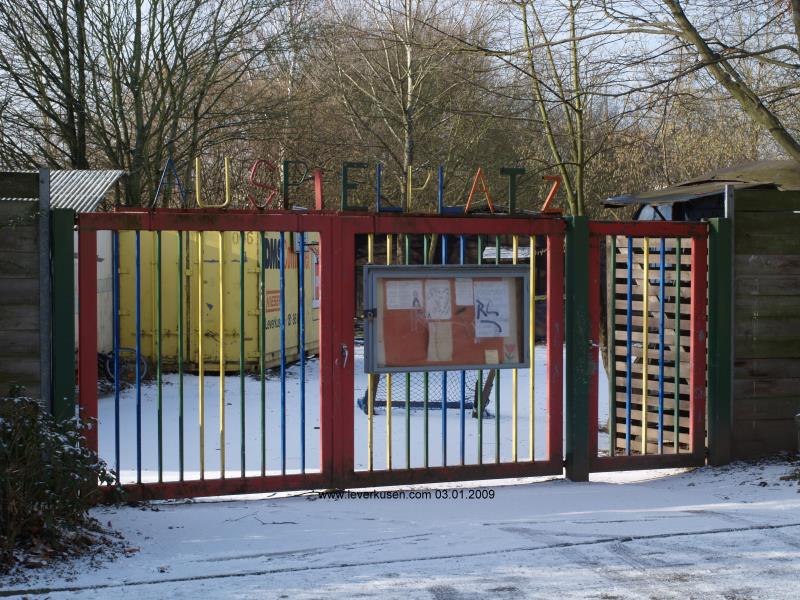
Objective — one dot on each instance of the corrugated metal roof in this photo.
(81, 191)
(783, 175)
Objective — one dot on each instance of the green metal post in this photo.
(720, 355)
(181, 273)
(63, 294)
(577, 342)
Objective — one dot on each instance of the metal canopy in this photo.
(81, 191)
(768, 174)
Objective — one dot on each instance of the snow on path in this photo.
(732, 532)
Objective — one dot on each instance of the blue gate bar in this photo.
(138, 358)
(282, 259)
(301, 307)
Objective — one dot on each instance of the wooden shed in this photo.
(763, 202)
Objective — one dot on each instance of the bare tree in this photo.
(726, 40)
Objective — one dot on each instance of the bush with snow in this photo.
(48, 481)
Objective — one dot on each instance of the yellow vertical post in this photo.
(532, 344)
(389, 378)
(514, 373)
(645, 303)
(370, 377)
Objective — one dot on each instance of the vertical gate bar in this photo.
(479, 383)
(338, 252)
(370, 377)
(200, 358)
(221, 354)
(697, 347)
(579, 317)
(645, 341)
(425, 374)
(532, 348)
(611, 359)
(138, 358)
(514, 374)
(629, 349)
(720, 360)
(677, 392)
(241, 351)
(282, 258)
(301, 310)
(87, 333)
(440, 198)
(180, 354)
(62, 288)
(555, 347)
(444, 373)
(389, 379)
(261, 353)
(408, 377)
(662, 272)
(462, 406)
(115, 310)
(497, 376)
(594, 337)
(159, 382)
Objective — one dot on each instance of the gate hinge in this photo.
(370, 313)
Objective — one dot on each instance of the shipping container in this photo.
(171, 296)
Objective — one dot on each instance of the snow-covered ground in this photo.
(171, 409)
(729, 533)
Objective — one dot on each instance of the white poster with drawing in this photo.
(492, 309)
(437, 300)
(403, 294)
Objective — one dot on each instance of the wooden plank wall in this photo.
(766, 329)
(19, 296)
(619, 295)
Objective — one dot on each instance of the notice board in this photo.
(445, 317)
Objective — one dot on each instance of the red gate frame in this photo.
(355, 224)
(698, 232)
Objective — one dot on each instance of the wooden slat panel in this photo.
(753, 242)
(762, 368)
(19, 185)
(19, 264)
(23, 238)
(20, 318)
(767, 348)
(759, 201)
(747, 265)
(18, 290)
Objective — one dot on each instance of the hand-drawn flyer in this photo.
(437, 300)
(492, 308)
(403, 294)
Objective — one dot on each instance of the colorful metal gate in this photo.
(271, 431)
